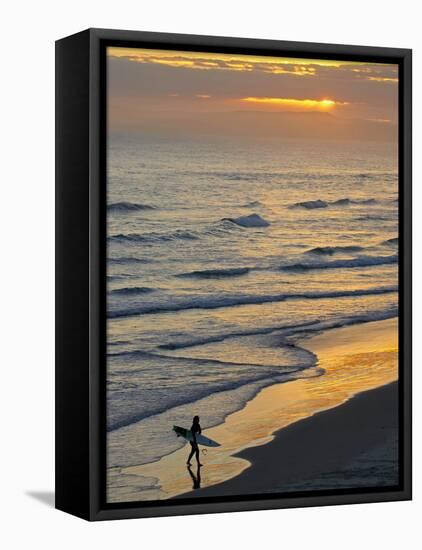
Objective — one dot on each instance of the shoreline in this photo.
(349, 446)
(355, 359)
(354, 415)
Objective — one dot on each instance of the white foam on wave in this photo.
(253, 220)
(217, 301)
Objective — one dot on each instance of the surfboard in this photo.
(200, 439)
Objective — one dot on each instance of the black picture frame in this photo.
(80, 271)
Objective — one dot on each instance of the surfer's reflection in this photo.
(195, 478)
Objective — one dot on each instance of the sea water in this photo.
(217, 254)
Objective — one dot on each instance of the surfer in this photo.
(195, 429)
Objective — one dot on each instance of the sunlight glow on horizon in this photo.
(296, 104)
(383, 79)
(195, 92)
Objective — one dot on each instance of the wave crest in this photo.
(153, 237)
(220, 301)
(318, 203)
(253, 220)
(310, 205)
(127, 260)
(391, 242)
(330, 250)
(216, 273)
(363, 261)
(126, 206)
(133, 290)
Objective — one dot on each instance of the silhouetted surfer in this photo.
(195, 429)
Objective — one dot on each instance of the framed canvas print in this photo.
(233, 274)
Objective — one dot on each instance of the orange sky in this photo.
(173, 91)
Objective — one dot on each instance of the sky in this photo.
(165, 92)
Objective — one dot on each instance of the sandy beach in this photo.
(336, 429)
(353, 445)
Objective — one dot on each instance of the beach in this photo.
(252, 262)
(350, 446)
(338, 429)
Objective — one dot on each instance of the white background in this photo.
(29, 29)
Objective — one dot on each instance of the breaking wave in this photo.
(221, 301)
(132, 290)
(318, 203)
(363, 261)
(330, 250)
(153, 237)
(128, 207)
(216, 273)
(253, 220)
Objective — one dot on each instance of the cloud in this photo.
(142, 86)
(206, 61)
(383, 79)
(235, 65)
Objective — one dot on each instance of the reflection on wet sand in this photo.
(196, 477)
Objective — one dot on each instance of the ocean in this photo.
(218, 253)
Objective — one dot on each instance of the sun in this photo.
(327, 103)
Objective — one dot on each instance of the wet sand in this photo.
(352, 445)
(355, 359)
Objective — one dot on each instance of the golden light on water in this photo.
(291, 104)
